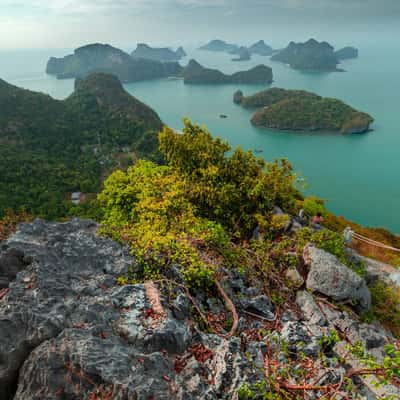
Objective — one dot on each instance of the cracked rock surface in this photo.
(67, 331)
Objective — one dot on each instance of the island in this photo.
(180, 52)
(243, 54)
(51, 148)
(107, 59)
(298, 110)
(220, 46)
(311, 55)
(159, 54)
(195, 73)
(261, 49)
(347, 53)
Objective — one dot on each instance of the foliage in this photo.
(305, 111)
(271, 96)
(50, 148)
(233, 190)
(313, 205)
(147, 207)
(386, 306)
(193, 210)
(338, 224)
(324, 239)
(9, 222)
(386, 370)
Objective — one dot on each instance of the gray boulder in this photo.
(331, 278)
(67, 330)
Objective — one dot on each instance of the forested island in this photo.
(244, 53)
(163, 54)
(107, 59)
(49, 148)
(347, 53)
(314, 56)
(298, 110)
(195, 73)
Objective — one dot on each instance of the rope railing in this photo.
(374, 242)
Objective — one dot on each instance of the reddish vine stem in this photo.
(231, 307)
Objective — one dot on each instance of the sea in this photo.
(357, 175)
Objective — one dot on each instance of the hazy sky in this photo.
(70, 23)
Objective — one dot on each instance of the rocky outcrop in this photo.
(328, 276)
(311, 55)
(347, 53)
(105, 58)
(180, 52)
(261, 49)
(67, 329)
(243, 54)
(158, 54)
(238, 97)
(195, 73)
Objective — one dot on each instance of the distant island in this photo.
(347, 53)
(261, 49)
(311, 55)
(298, 110)
(49, 148)
(159, 54)
(244, 53)
(195, 73)
(314, 56)
(220, 46)
(107, 59)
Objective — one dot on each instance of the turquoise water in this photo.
(358, 175)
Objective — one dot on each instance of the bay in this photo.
(357, 175)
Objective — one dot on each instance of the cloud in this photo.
(69, 23)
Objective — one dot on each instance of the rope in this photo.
(374, 242)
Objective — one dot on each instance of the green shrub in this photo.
(386, 306)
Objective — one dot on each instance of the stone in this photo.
(328, 276)
(68, 330)
(310, 309)
(260, 305)
(294, 277)
(12, 261)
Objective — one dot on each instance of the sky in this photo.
(67, 24)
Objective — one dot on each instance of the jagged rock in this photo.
(12, 261)
(310, 309)
(67, 329)
(260, 305)
(300, 339)
(294, 277)
(376, 271)
(237, 97)
(330, 277)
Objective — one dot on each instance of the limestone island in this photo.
(261, 49)
(311, 55)
(347, 53)
(220, 46)
(107, 59)
(243, 54)
(195, 73)
(159, 54)
(298, 110)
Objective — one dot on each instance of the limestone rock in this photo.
(330, 277)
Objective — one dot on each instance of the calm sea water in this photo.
(358, 175)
